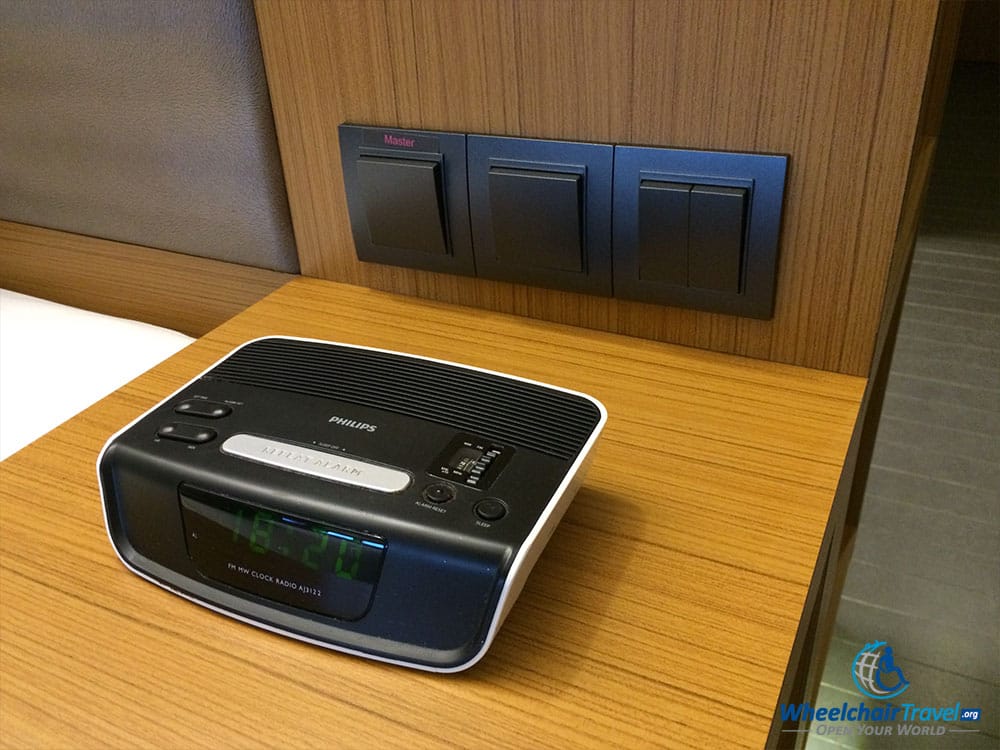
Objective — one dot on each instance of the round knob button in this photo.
(491, 509)
(439, 493)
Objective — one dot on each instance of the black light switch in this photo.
(403, 203)
(541, 212)
(715, 237)
(407, 197)
(732, 226)
(663, 231)
(536, 218)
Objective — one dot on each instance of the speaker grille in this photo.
(509, 411)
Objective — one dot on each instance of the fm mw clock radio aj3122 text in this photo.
(377, 503)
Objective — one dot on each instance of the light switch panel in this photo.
(407, 197)
(698, 229)
(694, 229)
(541, 212)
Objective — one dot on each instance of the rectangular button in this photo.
(317, 463)
(715, 237)
(537, 218)
(186, 433)
(199, 408)
(403, 203)
(663, 231)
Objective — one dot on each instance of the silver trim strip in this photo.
(317, 463)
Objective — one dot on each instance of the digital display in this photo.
(312, 566)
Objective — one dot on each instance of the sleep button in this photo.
(491, 509)
(201, 408)
(186, 433)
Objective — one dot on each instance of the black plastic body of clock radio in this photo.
(377, 503)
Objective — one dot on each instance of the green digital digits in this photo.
(236, 526)
(260, 536)
(346, 550)
(311, 554)
(310, 546)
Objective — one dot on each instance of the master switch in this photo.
(408, 197)
(404, 203)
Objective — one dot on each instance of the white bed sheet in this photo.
(57, 360)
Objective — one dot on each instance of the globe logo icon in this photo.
(875, 672)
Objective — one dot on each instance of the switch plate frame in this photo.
(763, 175)
(448, 150)
(593, 161)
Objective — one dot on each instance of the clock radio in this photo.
(377, 503)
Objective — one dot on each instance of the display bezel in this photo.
(341, 583)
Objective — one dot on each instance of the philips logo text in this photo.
(345, 422)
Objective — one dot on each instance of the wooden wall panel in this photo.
(836, 85)
(184, 292)
(878, 239)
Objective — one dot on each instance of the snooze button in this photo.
(186, 433)
(200, 408)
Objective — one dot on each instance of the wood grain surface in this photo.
(662, 612)
(835, 85)
(183, 292)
